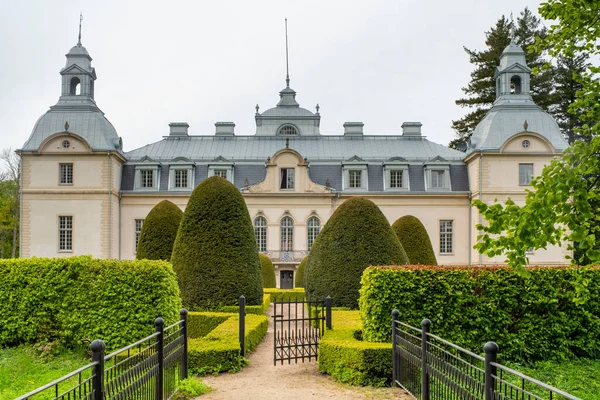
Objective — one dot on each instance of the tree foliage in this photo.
(159, 232)
(357, 235)
(481, 90)
(415, 240)
(215, 254)
(563, 205)
(10, 175)
(268, 272)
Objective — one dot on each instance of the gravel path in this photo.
(261, 380)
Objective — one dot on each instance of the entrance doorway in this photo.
(286, 279)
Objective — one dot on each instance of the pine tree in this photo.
(481, 90)
(567, 79)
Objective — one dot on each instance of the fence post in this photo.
(328, 312)
(159, 324)
(395, 314)
(491, 353)
(242, 326)
(98, 348)
(184, 332)
(425, 328)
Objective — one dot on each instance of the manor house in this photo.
(82, 194)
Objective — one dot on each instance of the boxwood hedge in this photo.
(159, 232)
(268, 272)
(300, 273)
(344, 356)
(78, 298)
(219, 349)
(286, 294)
(215, 254)
(415, 240)
(357, 235)
(554, 314)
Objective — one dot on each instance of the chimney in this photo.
(353, 128)
(411, 129)
(178, 129)
(224, 128)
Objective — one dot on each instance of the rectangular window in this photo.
(138, 230)
(396, 178)
(354, 178)
(438, 179)
(65, 233)
(221, 172)
(181, 178)
(446, 233)
(525, 174)
(66, 174)
(147, 178)
(287, 178)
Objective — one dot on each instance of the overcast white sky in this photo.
(381, 62)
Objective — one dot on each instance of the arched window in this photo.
(288, 130)
(515, 84)
(313, 226)
(75, 87)
(287, 234)
(260, 232)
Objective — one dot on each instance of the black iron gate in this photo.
(298, 326)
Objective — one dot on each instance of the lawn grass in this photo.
(576, 377)
(23, 369)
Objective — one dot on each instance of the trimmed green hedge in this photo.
(286, 294)
(531, 319)
(268, 271)
(77, 298)
(356, 236)
(258, 310)
(159, 231)
(215, 254)
(415, 240)
(351, 360)
(301, 273)
(219, 350)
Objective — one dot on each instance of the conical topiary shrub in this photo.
(300, 273)
(159, 232)
(268, 272)
(356, 236)
(415, 240)
(215, 254)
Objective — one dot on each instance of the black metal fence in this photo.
(429, 367)
(149, 369)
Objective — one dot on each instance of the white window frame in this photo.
(521, 174)
(312, 231)
(446, 241)
(286, 234)
(364, 177)
(68, 234)
(228, 167)
(429, 181)
(173, 169)
(67, 174)
(287, 183)
(155, 177)
(137, 232)
(260, 233)
(387, 174)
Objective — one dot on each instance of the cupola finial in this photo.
(287, 63)
(512, 28)
(79, 37)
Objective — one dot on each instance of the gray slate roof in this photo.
(314, 148)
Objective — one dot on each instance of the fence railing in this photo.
(429, 367)
(150, 368)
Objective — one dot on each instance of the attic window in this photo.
(515, 84)
(288, 130)
(66, 144)
(75, 87)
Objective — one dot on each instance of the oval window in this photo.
(525, 144)
(66, 144)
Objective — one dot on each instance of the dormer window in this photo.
(437, 174)
(146, 177)
(354, 174)
(515, 84)
(288, 130)
(395, 174)
(75, 87)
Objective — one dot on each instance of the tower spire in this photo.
(79, 37)
(512, 28)
(287, 64)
